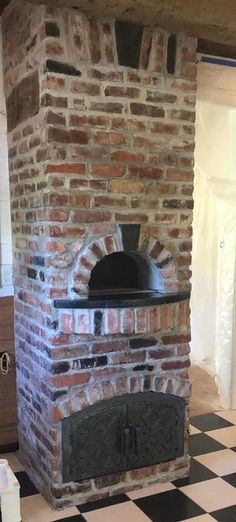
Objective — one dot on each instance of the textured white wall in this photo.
(213, 301)
(5, 219)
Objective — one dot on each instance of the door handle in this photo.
(5, 362)
(125, 440)
(137, 434)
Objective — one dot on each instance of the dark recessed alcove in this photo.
(171, 54)
(130, 236)
(114, 272)
(123, 273)
(128, 42)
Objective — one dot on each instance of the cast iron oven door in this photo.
(124, 433)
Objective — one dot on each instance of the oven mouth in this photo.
(124, 274)
(124, 279)
(125, 293)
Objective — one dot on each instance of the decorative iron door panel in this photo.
(128, 432)
(157, 423)
(96, 441)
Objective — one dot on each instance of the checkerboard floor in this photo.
(208, 494)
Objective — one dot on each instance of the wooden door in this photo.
(8, 419)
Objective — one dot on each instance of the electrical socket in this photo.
(6, 275)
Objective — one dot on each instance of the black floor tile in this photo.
(27, 488)
(201, 443)
(198, 473)
(105, 502)
(170, 506)
(231, 479)
(225, 515)
(75, 518)
(209, 421)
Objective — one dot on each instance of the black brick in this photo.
(128, 41)
(41, 276)
(93, 362)
(52, 29)
(55, 395)
(130, 236)
(23, 101)
(98, 317)
(142, 343)
(32, 273)
(143, 367)
(38, 260)
(61, 68)
(61, 367)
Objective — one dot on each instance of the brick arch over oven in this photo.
(95, 250)
(117, 386)
(163, 260)
(86, 260)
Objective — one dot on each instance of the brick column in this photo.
(92, 144)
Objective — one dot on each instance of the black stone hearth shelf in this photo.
(123, 301)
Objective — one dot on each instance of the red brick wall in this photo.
(100, 145)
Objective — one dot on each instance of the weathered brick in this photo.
(110, 76)
(146, 47)
(94, 41)
(181, 114)
(131, 218)
(23, 102)
(176, 339)
(109, 201)
(50, 81)
(173, 174)
(140, 109)
(158, 97)
(175, 365)
(66, 168)
(126, 92)
(91, 216)
(107, 107)
(164, 128)
(126, 187)
(109, 138)
(58, 135)
(128, 157)
(107, 347)
(108, 40)
(69, 380)
(145, 172)
(104, 171)
(48, 100)
(86, 88)
(79, 136)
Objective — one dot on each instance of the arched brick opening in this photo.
(120, 385)
(164, 263)
(149, 248)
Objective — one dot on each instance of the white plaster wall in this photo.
(213, 300)
(6, 287)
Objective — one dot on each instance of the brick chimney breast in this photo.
(101, 165)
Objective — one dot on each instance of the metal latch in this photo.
(5, 362)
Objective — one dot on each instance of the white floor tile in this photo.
(126, 512)
(151, 490)
(211, 495)
(221, 462)
(36, 509)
